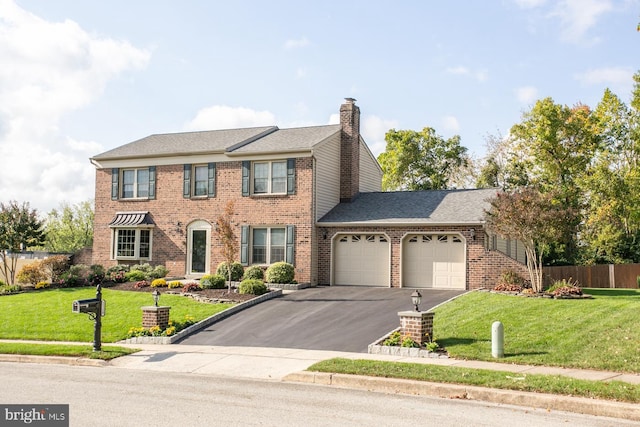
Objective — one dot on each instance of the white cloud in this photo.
(450, 123)
(529, 4)
(619, 78)
(50, 69)
(526, 94)
(296, 43)
(577, 17)
(480, 75)
(225, 117)
(373, 129)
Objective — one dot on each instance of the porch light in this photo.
(156, 296)
(416, 298)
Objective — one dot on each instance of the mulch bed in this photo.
(218, 294)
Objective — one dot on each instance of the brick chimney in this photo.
(349, 150)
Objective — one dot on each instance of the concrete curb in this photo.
(579, 405)
(53, 360)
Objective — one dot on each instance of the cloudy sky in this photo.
(81, 77)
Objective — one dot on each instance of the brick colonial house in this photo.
(310, 196)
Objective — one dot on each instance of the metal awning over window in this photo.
(132, 219)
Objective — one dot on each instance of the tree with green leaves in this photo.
(420, 160)
(534, 218)
(227, 237)
(69, 228)
(20, 229)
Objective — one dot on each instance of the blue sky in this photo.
(81, 77)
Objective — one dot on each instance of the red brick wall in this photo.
(483, 267)
(170, 209)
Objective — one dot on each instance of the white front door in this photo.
(198, 247)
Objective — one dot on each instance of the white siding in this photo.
(327, 175)
(370, 172)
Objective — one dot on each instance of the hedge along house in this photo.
(309, 196)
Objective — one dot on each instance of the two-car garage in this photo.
(427, 260)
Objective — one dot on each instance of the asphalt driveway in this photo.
(340, 318)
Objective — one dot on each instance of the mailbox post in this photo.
(95, 308)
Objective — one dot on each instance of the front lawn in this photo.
(67, 350)
(46, 315)
(602, 333)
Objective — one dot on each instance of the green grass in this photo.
(68, 350)
(555, 384)
(602, 333)
(46, 315)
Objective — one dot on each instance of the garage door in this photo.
(434, 261)
(361, 260)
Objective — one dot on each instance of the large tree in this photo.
(535, 219)
(20, 229)
(69, 228)
(420, 160)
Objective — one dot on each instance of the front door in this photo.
(198, 248)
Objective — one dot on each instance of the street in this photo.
(111, 396)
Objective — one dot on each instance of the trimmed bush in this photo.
(158, 283)
(213, 281)
(254, 272)
(96, 274)
(158, 272)
(135, 276)
(77, 275)
(55, 266)
(280, 272)
(145, 268)
(252, 286)
(32, 273)
(237, 270)
(117, 273)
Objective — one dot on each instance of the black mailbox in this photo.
(86, 306)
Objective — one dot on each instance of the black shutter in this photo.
(244, 245)
(291, 243)
(186, 185)
(152, 182)
(246, 168)
(115, 177)
(291, 176)
(212, 180)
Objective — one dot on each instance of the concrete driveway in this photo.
(340, 318)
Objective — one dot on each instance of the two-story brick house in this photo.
(309, 196)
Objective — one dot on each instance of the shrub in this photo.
(96, 274)
(77, 275)
(511, 277)
(135, 276)
(399, 340)
(213, 281)
(158, 272)
(117, 273)
(42, 285)
(280, 272)
(32, 273)
(174, 284)
(55, 266)
(2, 283)
(158, 283)
(252, 286)
(145, 268)
(237, 270)
(564, 287)
(141, 284)
(10, 289)
(191, 287)
(254, 272)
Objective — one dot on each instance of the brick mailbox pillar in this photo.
(418, 325)
(155, 316)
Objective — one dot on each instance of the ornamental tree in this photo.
(537, 220)
(20, 229)
(226, 236)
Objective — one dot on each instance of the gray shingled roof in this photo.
(417, 207)
(248, 140)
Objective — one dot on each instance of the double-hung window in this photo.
(268, 177)
(134, 183)
(267, 244)
(199, 180)
(132, 243)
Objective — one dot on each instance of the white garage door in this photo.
(433, 261)
(361, 260)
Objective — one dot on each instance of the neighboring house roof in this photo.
(247, 140)
(432, 207)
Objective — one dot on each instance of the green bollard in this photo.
(497, 340)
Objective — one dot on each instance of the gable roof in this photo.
(432, 207)
(264, 139)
